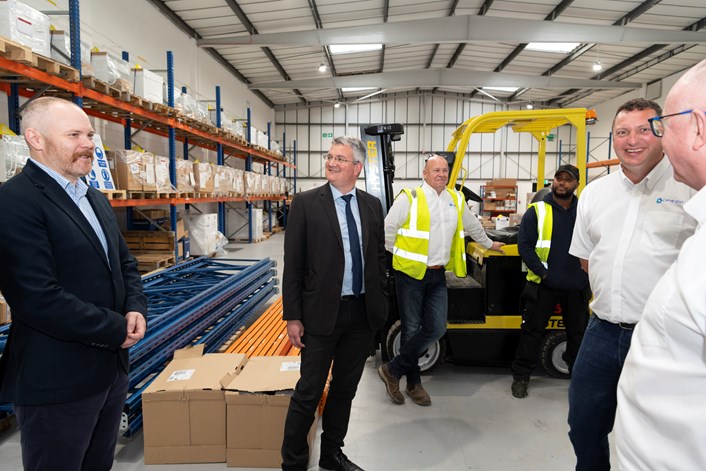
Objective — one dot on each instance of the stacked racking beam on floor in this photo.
(202, 301)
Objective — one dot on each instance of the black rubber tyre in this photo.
(432, 357)
(550, 356)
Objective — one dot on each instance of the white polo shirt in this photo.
(443, 221)
(661, 417)
(630, 234)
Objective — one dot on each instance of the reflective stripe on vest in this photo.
(544, 236)
(411, 250)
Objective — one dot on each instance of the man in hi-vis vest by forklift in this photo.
(553, 276)
(424, 231)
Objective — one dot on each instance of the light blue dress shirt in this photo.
(340, 203)
(77, 193)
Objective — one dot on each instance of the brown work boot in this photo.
(392, 384)
(418, 395)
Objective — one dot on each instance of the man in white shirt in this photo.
(629, 228)
(661, 418)
(424, 230)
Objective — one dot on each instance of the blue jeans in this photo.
(423, 306)
(593, 392)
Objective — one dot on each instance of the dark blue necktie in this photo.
(355, 247)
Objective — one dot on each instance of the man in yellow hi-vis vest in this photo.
(424, 231)
(553, 276)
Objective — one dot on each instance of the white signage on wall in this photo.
(100, 177)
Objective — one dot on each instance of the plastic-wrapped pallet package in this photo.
(61, 50)
(111, 70)
(185, 176)
(238, 183)
(13, 156)
(23, 24)
(148, 85)
(203, 178)
(203, 233)
(161, 174)
(129, 169)
(249, 180)
(220, 180)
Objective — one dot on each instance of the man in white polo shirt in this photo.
(629, 228)
(661, 418)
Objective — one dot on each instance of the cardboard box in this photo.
(129, 169)
(185, 176)
(184, 409)
(149, 182)
(503, 182)
(203, 177)
(257, 401)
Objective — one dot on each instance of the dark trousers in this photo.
(72, 436)
(423, 306)
(593, 392)
(540, 304)
(348, 347)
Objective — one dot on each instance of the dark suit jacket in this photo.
(314, 260)
(68, 304)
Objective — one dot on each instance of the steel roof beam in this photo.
(459, 29)
(189, 31)
(442, 78)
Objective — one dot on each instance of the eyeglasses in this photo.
(338, 159)
(658, 123)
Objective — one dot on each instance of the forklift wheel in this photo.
(433, 356)
(551, 354)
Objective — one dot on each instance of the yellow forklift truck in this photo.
(485, 308)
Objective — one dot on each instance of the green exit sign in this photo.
(327, 134)
(550, 137)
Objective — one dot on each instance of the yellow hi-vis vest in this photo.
(544, 236)
(411, 249)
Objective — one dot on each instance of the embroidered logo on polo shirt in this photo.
(670, 201)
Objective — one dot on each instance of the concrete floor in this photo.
(474, 423)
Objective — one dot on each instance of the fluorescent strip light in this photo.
(552, 47)
(502, 89)
(356, 89)
(353, 48)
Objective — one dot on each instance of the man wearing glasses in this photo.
(629, 229)
(424, 231)
(333, 299)
(661, 418)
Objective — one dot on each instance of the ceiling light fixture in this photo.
(337, 105)
(529, 106)
(323, 67)
(597, 66)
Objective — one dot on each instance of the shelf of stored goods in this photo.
(498, 199)
(20, 74)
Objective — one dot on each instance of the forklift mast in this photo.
(380, 161)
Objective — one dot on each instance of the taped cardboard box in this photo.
(185, 176)
(204, 178)
(129, 169)
(184, 409)
(257, 401)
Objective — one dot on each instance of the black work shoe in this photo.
(519, 388)
(392, 384)
(338, 462)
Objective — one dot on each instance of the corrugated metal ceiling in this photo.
(276, 60)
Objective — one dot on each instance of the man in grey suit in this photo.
(334, 300)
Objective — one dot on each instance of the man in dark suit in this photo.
(76, 298)
(334, 300)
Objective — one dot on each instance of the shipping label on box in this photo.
(184, 408)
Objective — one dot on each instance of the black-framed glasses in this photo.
(338, 159)
(657, 123)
